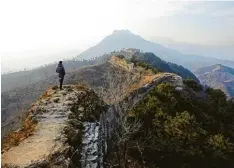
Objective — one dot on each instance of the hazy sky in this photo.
(40, 28)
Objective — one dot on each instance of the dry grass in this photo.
(144, 76)
(14, 138)
(81, 87)
(46, 94)
(145, 79)
(120, 62)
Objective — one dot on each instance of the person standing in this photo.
(61, 71)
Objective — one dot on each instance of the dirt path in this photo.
(46, 138)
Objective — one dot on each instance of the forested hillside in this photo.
(189, 128)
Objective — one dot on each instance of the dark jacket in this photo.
(60, 70)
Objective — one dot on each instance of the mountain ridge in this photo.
(16, 101)
(218, 77)
(17, 95)
(223, 52)
(119, 108)
(120, 39)
(61, 114)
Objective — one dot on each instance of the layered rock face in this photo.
(64, 131)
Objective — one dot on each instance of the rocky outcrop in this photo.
(65, 131)
(138, 94)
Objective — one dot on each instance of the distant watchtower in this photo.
(131, 50)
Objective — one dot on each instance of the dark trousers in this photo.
(61, 81)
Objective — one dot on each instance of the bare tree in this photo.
(121, 126)
(141, 145)
(117, 83)
(125, 129)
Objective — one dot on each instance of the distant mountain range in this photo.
(218, 77)
(120, 39)
(224, 52)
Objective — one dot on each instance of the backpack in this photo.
(59, 69)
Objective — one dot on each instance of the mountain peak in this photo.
(125, 31)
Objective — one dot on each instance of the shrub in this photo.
(192, 84)
(55, 87)
(120, 56)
